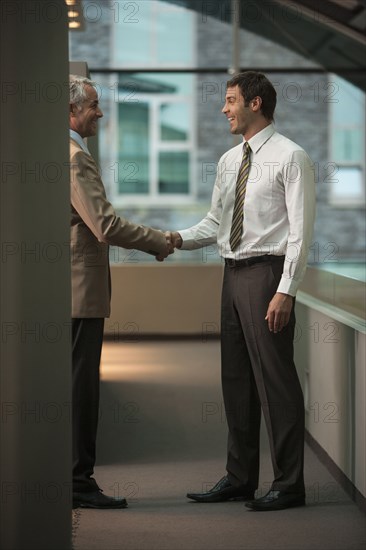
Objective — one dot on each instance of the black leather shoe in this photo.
(277, 500)
(223, 490)
(96, 499)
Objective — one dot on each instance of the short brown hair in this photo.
(253, 84)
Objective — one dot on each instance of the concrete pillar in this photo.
(35, 371)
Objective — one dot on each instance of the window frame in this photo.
(336, 200)
(157, 145)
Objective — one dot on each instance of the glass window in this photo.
(153, 136)
(174, 36)
(133, 148)
(174, 121)
(347, 144)
(348, 184)
(173, 172)
(153, 34)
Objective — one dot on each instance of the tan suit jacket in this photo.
(95, 226)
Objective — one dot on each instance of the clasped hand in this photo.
(173, 241)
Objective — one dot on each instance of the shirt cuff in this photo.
(288, 286)
(187, 238)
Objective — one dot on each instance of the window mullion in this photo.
(154, 139)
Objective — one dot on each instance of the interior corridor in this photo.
(162, 433)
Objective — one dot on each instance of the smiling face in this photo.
(243, 118)
(84, 118)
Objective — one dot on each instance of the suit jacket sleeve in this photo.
(89, 199)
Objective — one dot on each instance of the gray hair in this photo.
(77, 88)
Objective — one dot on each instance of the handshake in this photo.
(173, 240)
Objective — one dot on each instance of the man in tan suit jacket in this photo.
(94, 226)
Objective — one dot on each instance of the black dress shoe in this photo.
(277, 500)
(223, 490)
(96, 499)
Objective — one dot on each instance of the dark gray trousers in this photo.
(87, 338)
(258, 373)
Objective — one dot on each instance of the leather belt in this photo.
(231, 262)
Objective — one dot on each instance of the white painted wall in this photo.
(330, 357)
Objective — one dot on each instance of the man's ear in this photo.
(72, 109)
(256, 103)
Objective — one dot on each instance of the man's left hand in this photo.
(278, 312)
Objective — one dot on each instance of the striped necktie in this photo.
(241, 186)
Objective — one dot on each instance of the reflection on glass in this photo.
(348, 183)
(174, 121)
(173, 172)
(346, 94)
(154, 133)
(175, 36)
(133, 159)
(351, 270)
(347, 143)
(151, 34)
(156, 83)
(348, 124)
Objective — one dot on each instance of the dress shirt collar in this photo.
(261, 137)
(79, 140)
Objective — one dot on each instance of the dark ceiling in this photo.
(331, 33)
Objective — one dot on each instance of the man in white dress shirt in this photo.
(262, 273)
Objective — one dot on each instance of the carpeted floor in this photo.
(162, 433)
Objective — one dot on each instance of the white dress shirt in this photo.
(79, 140)
(279, 206)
